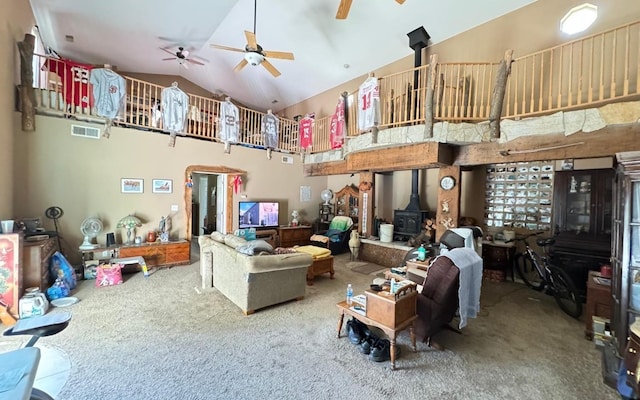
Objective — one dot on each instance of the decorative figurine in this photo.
(574, 185)
(354, 245)
(294, 216)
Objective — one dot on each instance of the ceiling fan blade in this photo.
(271, 68)
(279, 54)
(167, 51)
(192, 61)
(217, 46)
(251, 39)
(241, 65)
(343, 9)
(400, 1)
(170, 58)
(184, 64)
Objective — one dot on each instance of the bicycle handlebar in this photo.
(524, 238)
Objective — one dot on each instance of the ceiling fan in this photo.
(254, 54)
(345, 5)
(182, 56)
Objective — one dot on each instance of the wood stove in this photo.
(407, 223)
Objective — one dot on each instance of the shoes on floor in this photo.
(357, 331)
(381, 351)
(367, 343)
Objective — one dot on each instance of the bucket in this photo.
(386, 233)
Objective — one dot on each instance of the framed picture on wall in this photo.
(162, 186)
(131, 185)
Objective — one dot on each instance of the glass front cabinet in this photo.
(625, 249)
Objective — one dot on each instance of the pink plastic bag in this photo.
(108, 275)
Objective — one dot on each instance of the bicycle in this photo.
(538, 274)
(27, 359)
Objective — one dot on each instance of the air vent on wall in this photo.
(287, 160)
(85, 131)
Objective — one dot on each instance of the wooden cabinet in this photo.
(291, 236)
(498, 257)
(582, 208)
(599, 303)
(36, 260)
(347, 200)
(325, 213)
(159, 254)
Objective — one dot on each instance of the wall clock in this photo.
(447, 182)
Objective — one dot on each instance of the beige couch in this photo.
(251, 282)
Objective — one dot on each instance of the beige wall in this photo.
(82, 176)
(16, 19)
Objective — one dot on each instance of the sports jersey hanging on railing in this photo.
(109, 91)
(175, 104)
(368, 103)
(229, 124)
(269, 128)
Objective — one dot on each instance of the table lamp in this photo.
(129, 222)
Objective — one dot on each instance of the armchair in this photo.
(336, 238)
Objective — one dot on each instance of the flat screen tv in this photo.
(258, 214)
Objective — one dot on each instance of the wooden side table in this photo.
(391, 313)
(294, 235)
(599, 302)
(159, 254)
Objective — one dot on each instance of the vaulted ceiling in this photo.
(131, 35)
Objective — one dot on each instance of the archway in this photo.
(220, 170)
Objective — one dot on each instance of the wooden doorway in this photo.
(206, 169)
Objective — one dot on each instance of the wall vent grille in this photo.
(85, 131)
(287, 160)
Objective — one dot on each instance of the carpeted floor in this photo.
(160, 338)
(364, 267)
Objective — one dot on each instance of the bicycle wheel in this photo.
(565, 292)
(528, 272)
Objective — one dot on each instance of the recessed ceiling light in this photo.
(579, 18)
(69, 38)
(346, 66)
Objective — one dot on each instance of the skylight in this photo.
(579, 18)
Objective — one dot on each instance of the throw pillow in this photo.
(217, 236)
(255, 247)
(234, 241)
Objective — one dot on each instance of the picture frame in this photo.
(131, 185)
(162, 186)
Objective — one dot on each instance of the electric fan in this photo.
(90, 228)
(326, 195)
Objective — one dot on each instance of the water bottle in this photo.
(349, 294)
(422, 253)
(392, 286)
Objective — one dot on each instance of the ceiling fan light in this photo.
(579, 18)
(254, 58)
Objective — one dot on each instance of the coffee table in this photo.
(391, 313)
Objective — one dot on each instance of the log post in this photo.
(428, 97)
(497, 96)
(448, 211)
(27, 93)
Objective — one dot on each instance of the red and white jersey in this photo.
(229, 122)
(368, 104)
(75, 80)
(337, 128)
(305, 130)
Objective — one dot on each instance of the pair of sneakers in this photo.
(380, 350)
(357, 331)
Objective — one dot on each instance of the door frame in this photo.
(207, 169)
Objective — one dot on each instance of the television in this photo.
(258, 214)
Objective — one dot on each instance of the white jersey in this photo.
(368, 104)
(270, 127)
(109, 90)
(229, 122)
(175, 104)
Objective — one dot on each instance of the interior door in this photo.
(221, 202)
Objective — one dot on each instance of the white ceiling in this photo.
(129, 34)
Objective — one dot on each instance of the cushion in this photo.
(319, 238)
(254, 247)
(340, 223)
(234, 241)
(217, 236)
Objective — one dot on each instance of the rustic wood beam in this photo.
(448, 208)
(326, 168)
(497, 96)
(415, 156)
(602, 143)
(27, 92)
(366, 202)
(428, 97)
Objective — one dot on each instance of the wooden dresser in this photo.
(36, 260)
(159, 254)
(599, 303)
(291, 236)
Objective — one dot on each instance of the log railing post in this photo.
(428, 97)
(497, 96)
(27, 93)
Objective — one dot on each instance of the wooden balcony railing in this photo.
(579, 74)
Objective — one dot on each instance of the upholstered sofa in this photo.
(251, 282)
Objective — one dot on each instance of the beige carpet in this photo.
(159, 338)
(364, 267)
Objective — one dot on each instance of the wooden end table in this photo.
(391, 313)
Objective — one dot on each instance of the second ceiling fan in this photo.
(254, 54)
(345, 6)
